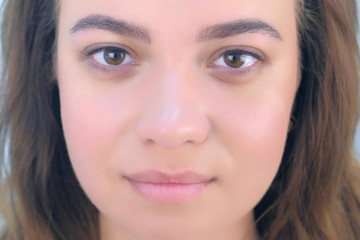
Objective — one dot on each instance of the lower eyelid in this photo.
(102, 71)
(108, 70)
(236, 73)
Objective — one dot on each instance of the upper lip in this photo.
(156, 177)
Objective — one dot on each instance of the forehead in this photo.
(181, 18)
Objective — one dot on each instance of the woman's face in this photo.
(176, 113)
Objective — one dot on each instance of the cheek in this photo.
(93, 120)
(259, 129)
(85, 127)
(253, 128)
(257, 132)
(255, 137)
(91, 124)
(85, 131)
(94, 127)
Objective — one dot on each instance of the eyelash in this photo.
(250, 56)
(95, 57)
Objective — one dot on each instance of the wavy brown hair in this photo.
(315, 195)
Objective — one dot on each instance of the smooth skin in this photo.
(171, 102)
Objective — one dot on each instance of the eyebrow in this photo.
(233, 28)
(217, 31)
(116, 26)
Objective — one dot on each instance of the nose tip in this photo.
(173, 127)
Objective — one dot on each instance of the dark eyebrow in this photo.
(233, 28)
(216, 31)
(113, 25)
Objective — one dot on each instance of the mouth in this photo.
(162, 187)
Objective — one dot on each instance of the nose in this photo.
(172, 116)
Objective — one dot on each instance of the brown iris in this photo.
(233, 59)
(114, 56)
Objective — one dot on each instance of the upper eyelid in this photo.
(97, 50)
(259, 55)
(102, 46)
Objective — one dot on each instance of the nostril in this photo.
(171, 137)
(149, 141)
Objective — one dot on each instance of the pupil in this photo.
(114, 56)
(233, 60)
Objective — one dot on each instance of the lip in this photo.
(158, 186)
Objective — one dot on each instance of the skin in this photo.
(172, 110)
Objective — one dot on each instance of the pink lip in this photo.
(162, 187)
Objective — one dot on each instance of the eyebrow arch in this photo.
(116, 26)
(217, 31)
(233, 28)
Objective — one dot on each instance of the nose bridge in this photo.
(171, 116)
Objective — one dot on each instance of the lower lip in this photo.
(169, 192)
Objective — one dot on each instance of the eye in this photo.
(110, 56)
(236, 59)
(108, 60)
(236, 64)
